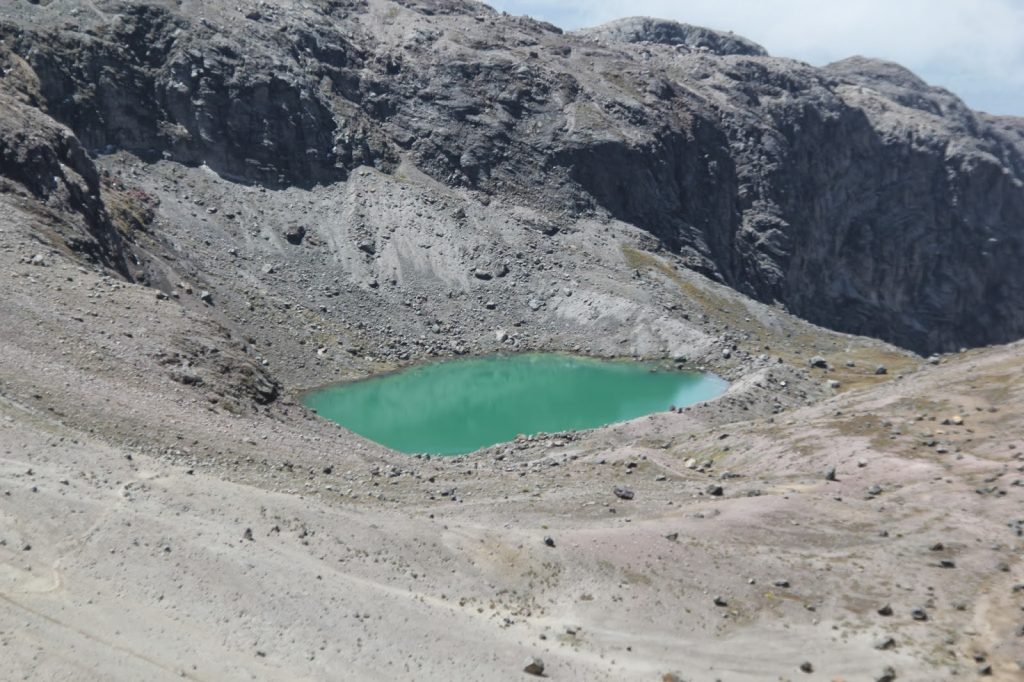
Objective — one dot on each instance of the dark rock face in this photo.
(155, 83)
(856, 195)
(44, 160)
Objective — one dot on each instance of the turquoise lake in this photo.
(456, 407)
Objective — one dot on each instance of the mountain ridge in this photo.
(854, 194)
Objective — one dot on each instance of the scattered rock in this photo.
(888, 675)
(295, 234)
(715, 490)
(622, 492)
(818, 362)
(534, 666)
(880, 370)
(806, 667)
(885, 643)
(549, 541)
(183, 376)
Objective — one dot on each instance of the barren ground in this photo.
(154, 529)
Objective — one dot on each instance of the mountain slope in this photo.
(856, 195)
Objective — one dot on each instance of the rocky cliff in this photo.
(43, 161)
(855, 194)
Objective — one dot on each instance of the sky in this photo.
(973, 47)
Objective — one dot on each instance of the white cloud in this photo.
(973, 47)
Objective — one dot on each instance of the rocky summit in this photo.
(208, 208)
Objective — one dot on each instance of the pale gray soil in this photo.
(127, 496)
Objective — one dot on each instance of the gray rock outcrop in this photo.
(651, 30)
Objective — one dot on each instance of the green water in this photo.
(457, 407)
